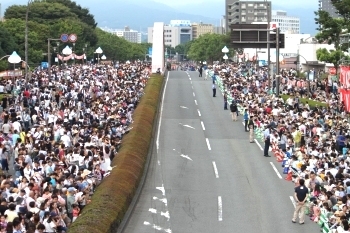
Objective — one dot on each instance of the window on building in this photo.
(250, 5)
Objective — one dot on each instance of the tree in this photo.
(208, 47)
(329, 28)
(331, 56)
(343, 9)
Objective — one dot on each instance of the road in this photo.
(205, 176)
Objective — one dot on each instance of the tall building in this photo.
(246, 12)
(199, 29)
(287, 24)
(175, 33)
(128, 34)
(326, 5)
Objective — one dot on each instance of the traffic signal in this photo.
(281, 40)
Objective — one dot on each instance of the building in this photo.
(287, 24)
(326, 5)
(128, 34)
(175, 33)
(199, 29)
(246, 12)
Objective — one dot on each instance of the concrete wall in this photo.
(158, 47)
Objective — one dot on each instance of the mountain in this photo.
(139, 15)
(215, 10)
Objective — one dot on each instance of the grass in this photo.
(114, 195)
(312, 103)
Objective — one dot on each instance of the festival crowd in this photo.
(313, 138)
(59, 133)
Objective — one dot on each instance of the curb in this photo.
(139, 189)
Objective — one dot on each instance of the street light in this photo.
(14, 58)
(98, 51)
(58, 52)
(67, 51)
(85, 51)
(225, 50)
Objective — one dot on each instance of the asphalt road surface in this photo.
(205, 176)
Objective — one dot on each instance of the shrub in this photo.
(114, 195)
(312, 103)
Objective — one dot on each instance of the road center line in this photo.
(202, 125)
(277, 172)
(208, 144)
(194, 94)
(215, 170)
(199, 113)
(219, 208)
(195, 101)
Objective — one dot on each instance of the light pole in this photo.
(49, 54)
(26, 41)
(73, 51)
(85, 51)
(58, 52)
(14, 58)
(98, 51)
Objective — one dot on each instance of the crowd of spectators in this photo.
(314, 137)
(59, 133)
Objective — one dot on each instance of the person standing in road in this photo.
(267, 141)
(300, 195)
(246, 118)
(234, 109)
(200, 71)
(225, 101)
(214, 89)
(251, 129)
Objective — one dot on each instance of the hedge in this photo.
(312, 103)
(114, 195)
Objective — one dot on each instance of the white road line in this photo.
(195, 101)
(219, 208)
(194, 94)
(190, 78)
(208, 144)
(277, 172)
(215, 170)
(161, 112)
(202, 125)
(293, 201)
(257, 143)
(199, 113)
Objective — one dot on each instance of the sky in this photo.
(293, 3)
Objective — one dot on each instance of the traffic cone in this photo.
(289, 176)
(279, 157)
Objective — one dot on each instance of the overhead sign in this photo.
(64, 38)
(73, 38)
(253, 36)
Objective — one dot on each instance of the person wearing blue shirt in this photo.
(341, 142)
(246, 118)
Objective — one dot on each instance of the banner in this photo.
(11, 73)
(345, 97)
(345, 77)
(69, 57)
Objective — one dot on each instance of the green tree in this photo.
(329, 28)
(208, 47)
(82, 13)
(343, 9)
(331, 56)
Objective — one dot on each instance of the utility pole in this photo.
(26, 41)
(268, 44)
(277, 61)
